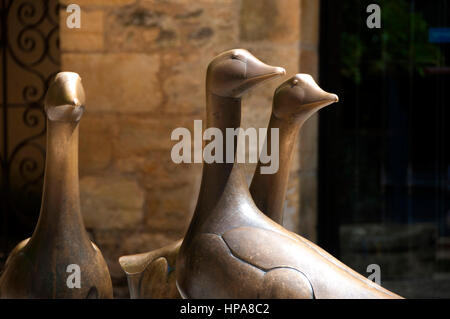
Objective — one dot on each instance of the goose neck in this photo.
(269, 190)
(60, 207)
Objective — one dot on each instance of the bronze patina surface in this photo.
(38, 267)
(233, 250)
(288, 116)
(147, 273)
(152, 275)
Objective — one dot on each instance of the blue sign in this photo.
(439, 35)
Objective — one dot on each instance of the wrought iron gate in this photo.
(30, 58)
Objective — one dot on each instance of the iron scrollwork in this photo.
(30, 59)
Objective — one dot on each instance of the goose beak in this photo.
(324, 100)
(334, 98)
(330, 98)
(258, 72)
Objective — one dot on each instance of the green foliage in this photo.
(400, 45)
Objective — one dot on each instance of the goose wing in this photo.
(329, 278)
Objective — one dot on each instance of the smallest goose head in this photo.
(300, 97)
(232, 73)
(65, 98)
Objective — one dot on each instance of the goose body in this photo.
(231, 249)
(256, 258)
(41, 266)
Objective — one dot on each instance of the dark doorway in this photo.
(384, 159)
(30, 58)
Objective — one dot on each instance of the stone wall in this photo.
(143, 65)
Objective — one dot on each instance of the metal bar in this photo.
(5, 175)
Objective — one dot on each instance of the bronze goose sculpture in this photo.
(41, 266)
(151, 274)
(269, 190)
(231, 249)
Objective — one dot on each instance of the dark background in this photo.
(384, 161)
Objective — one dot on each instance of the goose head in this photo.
(300, 97)
(233, 72)
(65, 98)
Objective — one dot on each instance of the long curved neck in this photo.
(60, 214)
(222, 113)
(269, 190)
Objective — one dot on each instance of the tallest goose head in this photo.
(233, 72)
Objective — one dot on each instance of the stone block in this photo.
(157, 170)
(160, 172)
(309, 22)
(111, 202)
(183, 84)
(171, 210)
(309, 62)
(119, 83)
(141, 135)
(183, 26)
(268, 20)
(95, 145)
